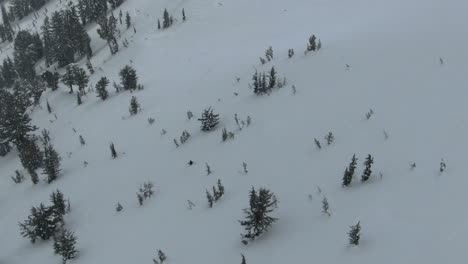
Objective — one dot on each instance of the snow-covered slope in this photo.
(392, 49)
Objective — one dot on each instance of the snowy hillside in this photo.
(405, 60)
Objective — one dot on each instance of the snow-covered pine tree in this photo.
(51, 163)
(209, 120)
(166, 19)
(58, 202)
(101, 88)
(65, 245)
(347, 178)
(325, 206)
(258, 218)
(107, 31)
(134, 106)
(128, 78)
(368, 169)
(312, 45)
(210, 199)
(272, 78)
(269, 53)
(355, 234)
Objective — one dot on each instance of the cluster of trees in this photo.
(218, 191)
(350, 170)
(260, 83)
(45, 222)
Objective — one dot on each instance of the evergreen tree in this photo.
(15, 123)
(9, 72)
(128, 78)
(69, 77)
(354, 234)
(243, 259)
(159, 24)
(352, 165)
(64, 245)
(81, 79)
(269, 53)
(329, 138)
(90, 67)
(51, 79)
(82, 141)
(272, 78)
(41, 223)
(51, 163)
(347, 178)
(58, 202)
(48, 37)
(210, 199)
(107, 31)
(8, 32)
(257, 215)
(368, 169)
(312, 45)
(209, 120)
(183, 15)
(101, 88)
(134, 106)
(166, 19)
(25, 55)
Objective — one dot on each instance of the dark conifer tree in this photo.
(368, 169)
(272, 78)
(101, 88)
(209, 120)
(257, 215)
(107, 31)
(159, 24)
(134, 106)
(355, 234)
(58, 202)
(347, 178)
(90, 67)
(69, 77)
(81, 79)
(183, 15)
(312, 45)
(42, 223)
(243, 259)
(128, 78)
(79, 101)
(51, 79)
(166, 19)
(7, 29)
(9, 72)
(64, 245)
(51, 163)
(25, 55)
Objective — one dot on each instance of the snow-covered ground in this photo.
(392, 49)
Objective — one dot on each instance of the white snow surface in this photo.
(392, 48)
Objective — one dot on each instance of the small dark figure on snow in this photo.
(190, 163)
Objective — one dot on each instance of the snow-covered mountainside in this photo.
(405, 60)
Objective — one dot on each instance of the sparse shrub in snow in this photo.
(51, 163)
(189, 115)
(183, 15)
(78, 98)
(101, 88)
(118, 207)
(244, 167)
(134, 106)
(128, 20)
(248, 120)
(208, 169)
(243, 259)
(347, 178)
(325, 206)
(190, 205)
(82, 141)
(176, 143)
(386, 136)
(64, 245)
(128, 78)
(210, 198)
(258, 218)
(329, 138)
(368, 169)
(317, 143)
(349, 172)
(163, 132)
(269, 53)
(151, 120)
(290, 53)
(159, 24)
(413, 166)
(184, 137)
(355, 234)
(262, 60)
(49, 109)
(161, 258)
(369, 114)
(209, 120)
(226, 135)
(18, 178)
(45, 137)
(443, 166)
(319, 45)
(145, 192)
(113, 151)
